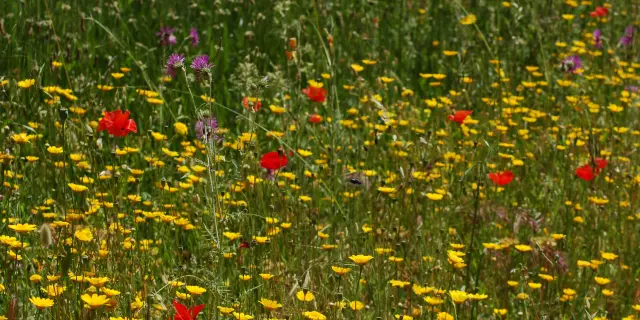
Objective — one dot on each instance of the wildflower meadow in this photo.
(319, 159)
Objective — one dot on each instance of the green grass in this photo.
(389, 174)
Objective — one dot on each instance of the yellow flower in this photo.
(181, 128)
(306, 297)
(523, 248)
(244, 277)
(458, 296)
(195, 290)
(270, 304)
(22, 137)
(26, 83)
(608, 256)
(314, 315)
(35, 278)
(356, 305)
(54, 150)
(225, 310)
(84, 235)
(602, 281)
(266, 276)
(534, 285)
(469, 19)
(94, 301)
(444, 316)
(242, 316)
(434, 196)
(117, 75)
(41, 303)
(53, 290)
(277, 109)
(77, 187)
(360, 259)
(386, 189)
(340, 271)
(357, 68)
(22, 228)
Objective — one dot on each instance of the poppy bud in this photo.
(293, 43)
(63, 113)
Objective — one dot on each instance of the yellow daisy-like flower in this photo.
(22, 227)
(469, 19)
(195, 290)
(54, 150)
(94, 301)
(360, 259)
(41, 303)
(181, 128)
(270, 304)
(314, 315)
(305, 296)
(26, 83)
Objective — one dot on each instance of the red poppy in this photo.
(315, 94)
(599, 12)
(601, 163)
(459, 116)
(254, 104)
(117, 123)
(273, 160)
(315, 118)
(501, 178)
(243, 245)
(586, 173)
(184, 313)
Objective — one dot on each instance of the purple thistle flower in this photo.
(195, 39)
(597, 38)
(572, 64)
(200, 63)
(627, 38)
(166, 36)
(206, 129)
(175, 62)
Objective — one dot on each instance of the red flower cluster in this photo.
(588, 173)
(599, 12)
(501, 178)
(254, 104)
(315, 94)
(117, 123)
(184, 313)
(459, 116)
(274, 160)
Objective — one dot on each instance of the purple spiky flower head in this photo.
(175, 62)
(597, 38)
(200, 63)
(166, 36)
(206, 129)
(195, 38)
(627, 38)
(572, 64)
